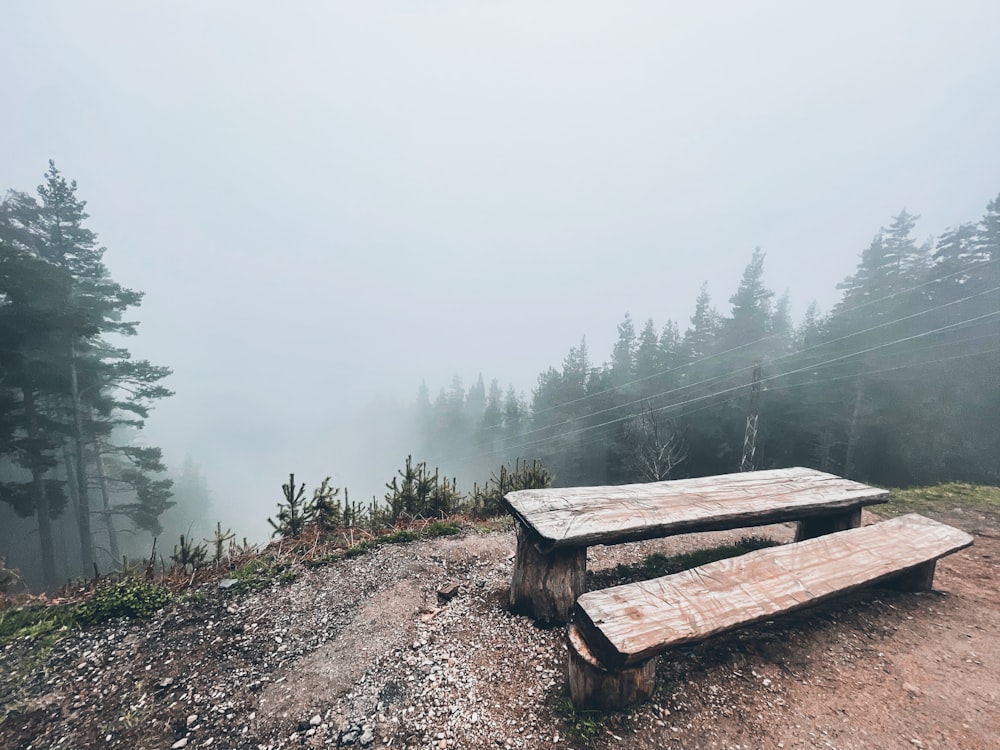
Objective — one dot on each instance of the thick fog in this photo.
(328, 204)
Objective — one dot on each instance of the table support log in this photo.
(920, 578)
(546, 586)
(591, 686)
(815, 526)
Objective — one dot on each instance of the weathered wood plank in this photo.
(582, 516)
(628, 624)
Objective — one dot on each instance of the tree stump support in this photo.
(591, 686)
(920, 578)
(545, 586)
(809, 528)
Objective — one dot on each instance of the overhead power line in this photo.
(741, 347)
(725, 391)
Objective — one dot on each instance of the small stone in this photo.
(179, 744)
(911, 689)
(765, 682)
(228, 583)
(316, 720)
(367, 737)
(448, 592)
(192, 719)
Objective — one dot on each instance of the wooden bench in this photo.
(555, 526)
(617, 632)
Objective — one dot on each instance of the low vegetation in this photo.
(944, 498)
(656, 564)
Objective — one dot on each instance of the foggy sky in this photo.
(327, 203)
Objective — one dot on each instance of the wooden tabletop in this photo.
(582, 516)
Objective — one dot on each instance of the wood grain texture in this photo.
(546, 586)
(631, 623)
(591, 686)
(582, 516)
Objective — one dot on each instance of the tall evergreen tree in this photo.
(699, 339)
(750, 320)
(99, 385)
(623, 353)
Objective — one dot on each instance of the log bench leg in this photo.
(546, 586)
(810, 528)
(920, 578)
(591, 686)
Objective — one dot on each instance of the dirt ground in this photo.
(364, 653)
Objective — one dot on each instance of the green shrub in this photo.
(130, 597)
(441, 528)
(398, 537)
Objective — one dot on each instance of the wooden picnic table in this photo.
(555, 526)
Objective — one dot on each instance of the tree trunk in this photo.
(591, 686)
(546, 586)
(40, 498)
(109, 521)
(854, 433)
(83, 503)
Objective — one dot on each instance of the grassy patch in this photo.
(34, 632)
(943, 498)
(38, 624)
(399, 537)
(362, 548)
(440, 528)
(258, 573)
(130, 597)
(581, 727)
(656, 565)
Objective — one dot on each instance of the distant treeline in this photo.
(898, 385)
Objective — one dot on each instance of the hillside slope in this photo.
(363, 652)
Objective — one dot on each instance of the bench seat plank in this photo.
(628, 624)
(583, 516)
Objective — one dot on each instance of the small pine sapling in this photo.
(325, 507)
(188, 555)
(219, 540)
(293, 514)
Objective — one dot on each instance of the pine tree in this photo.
(699, 339)
(750, 320)
(623, 353)
(35, 320)
(99, 386)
